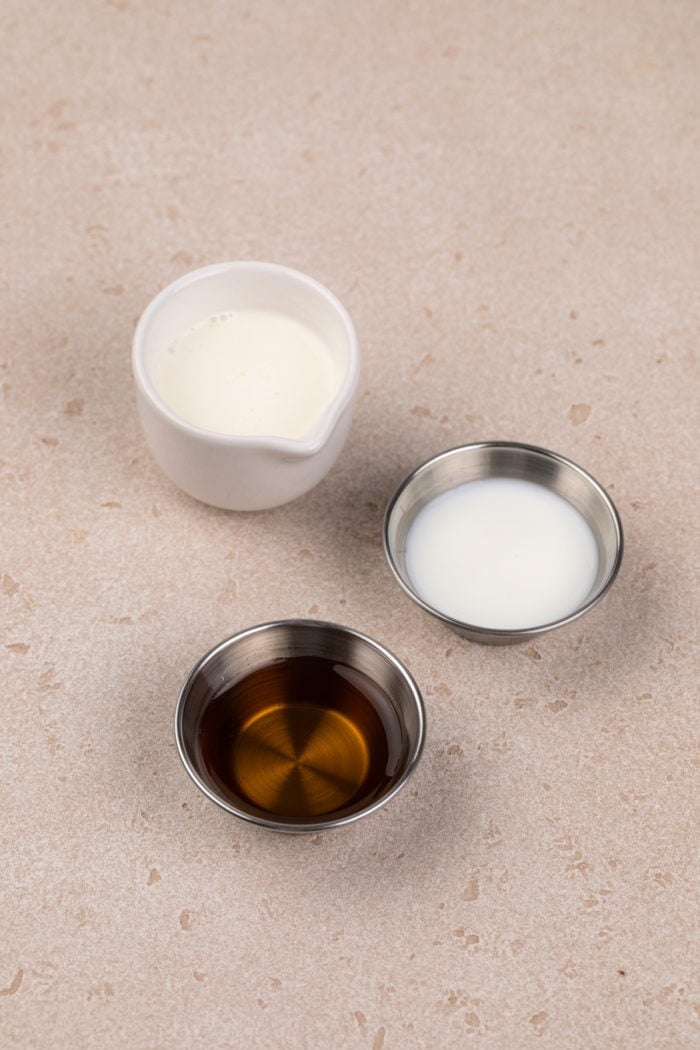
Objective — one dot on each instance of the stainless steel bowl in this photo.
(493, 459)
(257, 647)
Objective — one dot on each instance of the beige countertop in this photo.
(505, 196)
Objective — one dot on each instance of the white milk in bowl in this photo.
(501, 553)
(248, 372)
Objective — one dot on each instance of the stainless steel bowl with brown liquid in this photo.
(300, 725)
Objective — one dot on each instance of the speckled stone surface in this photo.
(505, 196)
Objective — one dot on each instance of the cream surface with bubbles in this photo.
(248, 372)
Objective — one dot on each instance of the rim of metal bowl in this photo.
(279, 824)
(516, 633)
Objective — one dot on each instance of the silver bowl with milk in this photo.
(503, 541)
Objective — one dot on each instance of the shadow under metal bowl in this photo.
(505, 459)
